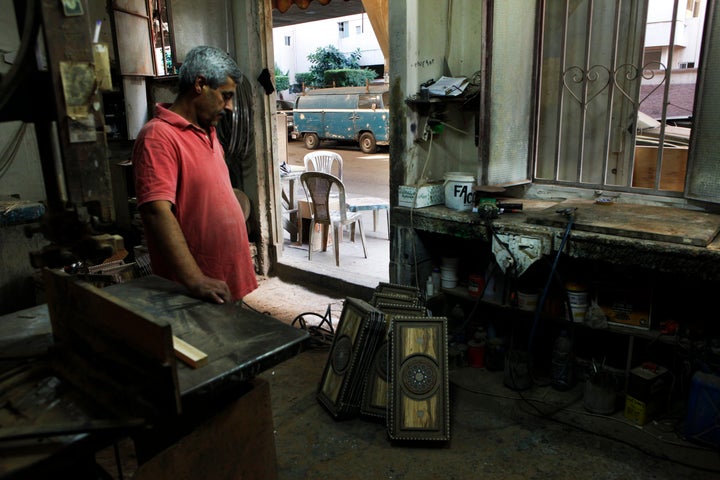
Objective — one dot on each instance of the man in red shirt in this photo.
(194, 226)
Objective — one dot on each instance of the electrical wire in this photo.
(420, 183)
(322, 335)
(10, 152)
(544, 294)
(234, 131)
(23, 63)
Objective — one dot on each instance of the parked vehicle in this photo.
(356, 114)
(286, 107)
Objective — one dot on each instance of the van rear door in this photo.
(308, 115)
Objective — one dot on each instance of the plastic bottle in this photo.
(429, 288)
(436, 276)
(562, 362)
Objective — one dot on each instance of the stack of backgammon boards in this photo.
(388, 360)
(360, 328)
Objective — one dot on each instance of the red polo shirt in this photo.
(176, 161)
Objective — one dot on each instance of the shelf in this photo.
(461, 292)
(469, 100)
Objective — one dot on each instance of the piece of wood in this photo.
(192, 356)
(113, 352)
(665, 224)
(672, 173)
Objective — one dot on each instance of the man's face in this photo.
(215, 103)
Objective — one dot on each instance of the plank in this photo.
(192, 356)
(666, 224)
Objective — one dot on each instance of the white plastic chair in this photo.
(324, 161)
(318, 186)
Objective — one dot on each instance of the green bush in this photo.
(347, 77)
(282, 82)
(305, 78)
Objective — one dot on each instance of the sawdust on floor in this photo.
(286, 301)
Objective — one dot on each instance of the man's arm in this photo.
(161, 225)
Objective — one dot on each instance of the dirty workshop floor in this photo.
(496, 432)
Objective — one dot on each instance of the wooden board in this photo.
(646, 222)
(192, 356)
(110, 350)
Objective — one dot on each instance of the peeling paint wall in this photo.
(429, 39)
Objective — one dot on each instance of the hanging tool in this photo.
(487, 206)
(491, 208)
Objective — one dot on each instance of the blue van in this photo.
(357, 114)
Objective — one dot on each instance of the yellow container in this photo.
(636, 411)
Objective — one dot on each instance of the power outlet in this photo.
(518, 251)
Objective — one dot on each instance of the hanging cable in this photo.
(23, 63)
(8, 154)
(570, 214)
(234, 131)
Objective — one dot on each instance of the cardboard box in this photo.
(672, 173)
(429, 194)
(629, 307)
(647, 391)
(317, 236)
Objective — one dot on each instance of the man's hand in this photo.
(210, 289)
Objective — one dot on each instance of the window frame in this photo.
(698, 144)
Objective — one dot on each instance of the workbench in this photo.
(667, 239)
(58, 411)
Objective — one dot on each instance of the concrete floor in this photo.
(496, 432)
(356, 275)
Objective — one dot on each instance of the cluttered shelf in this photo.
(457, 91)
(664, 335)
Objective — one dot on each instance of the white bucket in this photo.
(449, 281)
(459, 191)
(527, 300)
(448, 271)
(578, 303)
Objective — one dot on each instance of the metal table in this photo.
(50, 420)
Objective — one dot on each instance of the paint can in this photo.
(476, 285)
(459, 191)
(527, 300)
(448, 272)
(578, 297)
(476, 353)
(600, 393)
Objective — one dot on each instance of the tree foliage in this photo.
(282, 80)
(330, 58)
